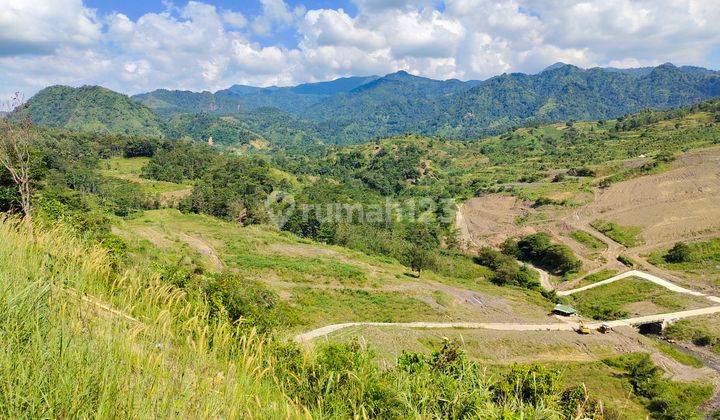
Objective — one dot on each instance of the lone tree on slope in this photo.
(16, 143)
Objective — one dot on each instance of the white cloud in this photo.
(40, 27)
(198, 46)
(275, 12)
(335, 28)
(234, 19)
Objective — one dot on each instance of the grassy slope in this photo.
(703, 331)
(704, 265)
(631, 297)
(63, 357)
(326, 284)
(498, 350)
(130, 169)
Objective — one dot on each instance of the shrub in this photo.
(506, 271)
(626, 261)
(668, 399)
(136, 147)
(679, 253)
(584, 172)
(533, 384)
(539, 249)
(248, 302)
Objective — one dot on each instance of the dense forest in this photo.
(358, 109)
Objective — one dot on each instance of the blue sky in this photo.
(134, 9)
(133, 46)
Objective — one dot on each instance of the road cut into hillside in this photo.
(566, 326)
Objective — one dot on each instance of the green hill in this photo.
(354, 110)
(93, 109)
(158, 281)
(567, 92)
(358, 109)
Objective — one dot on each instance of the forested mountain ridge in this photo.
(164, 113)
(94, 109)
(353, 110)
(567, 92)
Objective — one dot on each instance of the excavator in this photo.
(582, 329)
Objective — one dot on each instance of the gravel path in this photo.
(569, 326)
(635, 273)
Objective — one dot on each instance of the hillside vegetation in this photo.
(93, 109)
(167, 277)
(358, 109)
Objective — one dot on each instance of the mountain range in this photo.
(355, 109)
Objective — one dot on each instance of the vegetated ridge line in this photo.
(310, 335)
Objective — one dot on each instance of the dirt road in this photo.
(636, 273)
(568, 326)
(468, 241)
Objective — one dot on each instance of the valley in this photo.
(389, 253)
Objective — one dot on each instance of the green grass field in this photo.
(702, 331)
(130, 169)
(631, 297)
(703, 264)
(322, 284)
(674, 353)
(588, 241)
(625, 235)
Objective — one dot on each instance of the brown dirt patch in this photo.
(678, 204)
(489, 219)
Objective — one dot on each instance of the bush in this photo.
(506, 271)
(626, 261)
(139, 148)
(539, 249)
(668, 399)
(248, 302)
(533, 384)
(584, 172)
(679, 253)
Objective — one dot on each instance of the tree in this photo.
(16, 144)
(422, 239)
(679, 253)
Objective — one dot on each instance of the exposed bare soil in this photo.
(678, 204)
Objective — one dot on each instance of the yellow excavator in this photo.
(582, 329)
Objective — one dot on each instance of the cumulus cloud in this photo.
(40, 27)
(274, 12)
(199, 46)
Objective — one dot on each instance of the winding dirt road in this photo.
(570, 326)
(545, 281)
(613, 250)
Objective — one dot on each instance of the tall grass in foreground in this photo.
(62, 356)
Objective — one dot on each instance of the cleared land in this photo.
(678, 204)
(702, 265)
(632, 297)
(130, 169)
(326, 284)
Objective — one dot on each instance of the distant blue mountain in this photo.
(332, 87)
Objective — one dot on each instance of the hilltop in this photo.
(94, 109)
